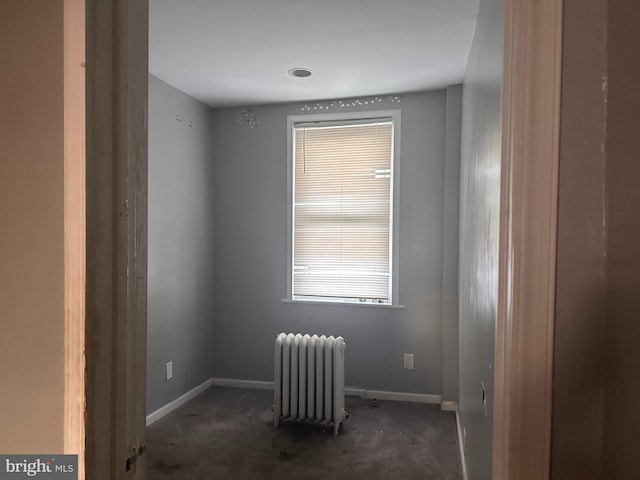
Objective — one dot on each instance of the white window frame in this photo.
(395, 117)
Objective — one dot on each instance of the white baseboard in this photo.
(262, 385)
(181, 400)
(463, 458)
(396, 396)
(355, 392)
(232, 382)
(359, 392)
(449, 406)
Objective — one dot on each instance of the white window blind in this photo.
(342, 211)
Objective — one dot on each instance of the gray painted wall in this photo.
(180, 288)
(250, 254)
(479, 221)
(450, 247)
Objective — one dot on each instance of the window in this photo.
(341, 209)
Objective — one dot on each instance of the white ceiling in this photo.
(238, 52)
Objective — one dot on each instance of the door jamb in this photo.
(528, 229)
(74, 228)
(116, 196)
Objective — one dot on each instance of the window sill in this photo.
(340, 304)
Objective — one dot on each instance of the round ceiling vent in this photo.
(300, 72)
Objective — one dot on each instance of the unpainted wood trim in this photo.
(527, 256)
(74, 229)
(117, 78)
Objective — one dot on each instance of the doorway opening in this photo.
(126, 441)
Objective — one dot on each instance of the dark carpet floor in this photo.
(227, 433)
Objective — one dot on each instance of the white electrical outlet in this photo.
(169, 370)
(408, 361)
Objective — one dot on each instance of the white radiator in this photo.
(309, 379)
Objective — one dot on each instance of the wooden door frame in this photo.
(528, 230)
(116, 196)
(117, 53)
(74, 228)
